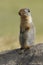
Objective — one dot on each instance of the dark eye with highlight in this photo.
(28, 10)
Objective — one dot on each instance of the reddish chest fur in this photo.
(25, 23)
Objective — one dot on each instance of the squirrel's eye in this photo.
(28, 10)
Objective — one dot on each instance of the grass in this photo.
(9, 21)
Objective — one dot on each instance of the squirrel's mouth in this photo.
(24, 14)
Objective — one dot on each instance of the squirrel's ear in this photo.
(19, 13)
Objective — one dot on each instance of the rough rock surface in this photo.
(32, 56)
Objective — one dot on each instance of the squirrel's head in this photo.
(25, 15)
(24, 12)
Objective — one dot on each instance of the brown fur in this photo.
(24, 25)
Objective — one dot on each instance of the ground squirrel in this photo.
(27, 29)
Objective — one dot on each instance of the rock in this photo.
(32, 56)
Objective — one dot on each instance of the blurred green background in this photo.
(10, 21)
